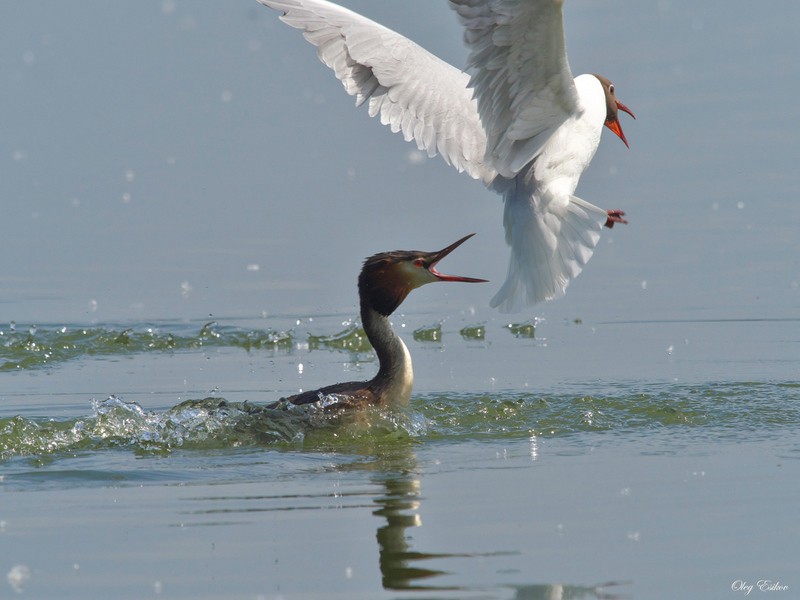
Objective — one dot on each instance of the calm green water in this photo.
(138, 476)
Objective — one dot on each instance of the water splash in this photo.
(40, 347)
(430, 333)
(209, 423)
(114, 423)
(722, 411)
(352, 338)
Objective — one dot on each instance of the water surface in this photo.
(591, 487)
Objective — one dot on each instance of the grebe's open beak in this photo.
(432, 258)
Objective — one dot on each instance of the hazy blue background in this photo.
(174, 159)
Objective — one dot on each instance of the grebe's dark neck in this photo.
(395, 376)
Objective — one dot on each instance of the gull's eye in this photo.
(611, 89)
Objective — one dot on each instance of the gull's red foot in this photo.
(615, 216)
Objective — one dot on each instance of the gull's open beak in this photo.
(614, 125)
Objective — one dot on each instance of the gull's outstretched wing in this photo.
(413, 91)
(521, 75)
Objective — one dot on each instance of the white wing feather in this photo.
(522, 79)
(413, 91)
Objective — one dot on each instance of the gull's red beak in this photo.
(613, 124)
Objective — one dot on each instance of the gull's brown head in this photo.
(613, 106)
(387, 278)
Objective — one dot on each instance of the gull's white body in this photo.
(521, 123)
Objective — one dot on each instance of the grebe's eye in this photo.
(418, 262)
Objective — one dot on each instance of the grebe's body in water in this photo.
(385, 281)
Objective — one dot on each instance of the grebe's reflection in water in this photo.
(404, 567)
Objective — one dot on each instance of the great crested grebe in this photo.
(385, 281)
(520, 122)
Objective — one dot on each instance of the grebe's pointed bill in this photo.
(434, 257)
(613, 124)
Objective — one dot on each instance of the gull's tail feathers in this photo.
(551, 240)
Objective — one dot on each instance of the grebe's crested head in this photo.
(613, 106)
(388, 277)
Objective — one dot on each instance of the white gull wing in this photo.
(521, 75)
(413, 91)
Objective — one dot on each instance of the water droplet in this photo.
(415, 157)
(129, 175)
(253, 267)
(18, 576)
(126, 197)
(670, 349)
(226, 96)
